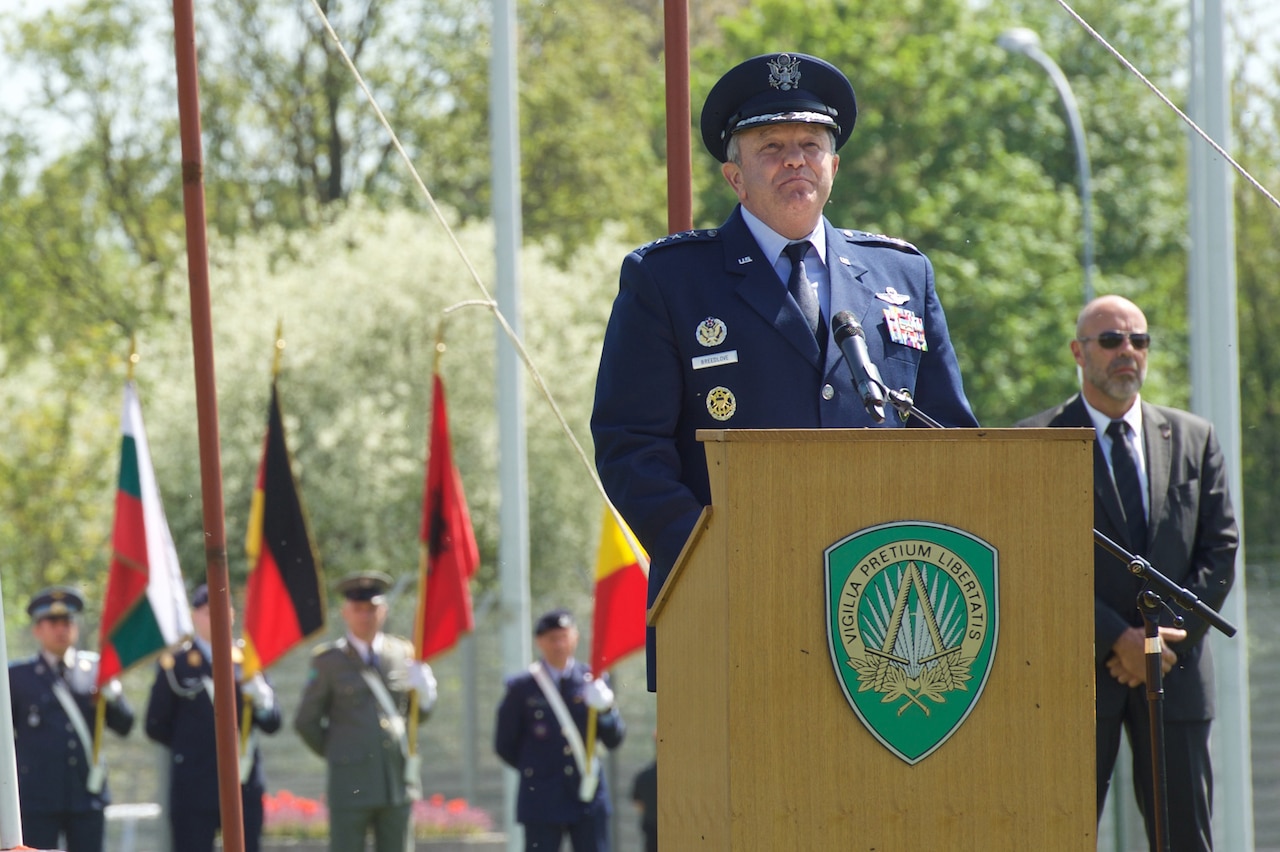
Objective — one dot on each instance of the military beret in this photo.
(55, 602)
(557, 619)
(200, 597)
(778, 88)
(365, 586)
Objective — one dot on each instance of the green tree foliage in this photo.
(1256, 102)
(361, 310)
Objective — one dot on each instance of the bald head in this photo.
(1112, 366)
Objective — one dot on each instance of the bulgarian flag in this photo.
(622, 578)
(145, 609)
(284, 601)
(448, 555)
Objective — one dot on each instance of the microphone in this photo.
(852, 340)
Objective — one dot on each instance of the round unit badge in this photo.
(711, 332)
(721, 403)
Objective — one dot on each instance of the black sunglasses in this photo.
(1114, 339)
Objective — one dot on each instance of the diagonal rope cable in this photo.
(1154, 88)
(488, 300)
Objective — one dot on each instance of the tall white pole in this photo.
(1215, 394)
(10, 815)
(513, 516)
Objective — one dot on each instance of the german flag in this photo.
(284, 601)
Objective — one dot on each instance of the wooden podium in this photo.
(759, 742)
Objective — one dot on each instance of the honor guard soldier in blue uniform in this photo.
(353, 714)
(731, 327)
(53, 696)
(180, 717)
(540, 733)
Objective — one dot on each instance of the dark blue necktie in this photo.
(1128, 485)
(802, 290)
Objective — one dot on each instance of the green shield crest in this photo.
(912, 623)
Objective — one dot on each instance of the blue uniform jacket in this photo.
(180, 717)
(527, 737)
(52, 765)
(713, 293)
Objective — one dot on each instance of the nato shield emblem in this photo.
(912, 623)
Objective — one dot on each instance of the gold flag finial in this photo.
(278, 352)
(133, 355)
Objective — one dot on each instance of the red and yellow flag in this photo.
(622, 579)
(284, 602)
(448, 555)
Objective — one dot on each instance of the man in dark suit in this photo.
(1180, 520)
(541, 733)
(353, 714)
(723, 329)
(53, 696)
(180, 717)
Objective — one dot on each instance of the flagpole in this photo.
(232, 815)
(10, 812)
(420, 628)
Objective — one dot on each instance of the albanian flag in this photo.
(448, 552)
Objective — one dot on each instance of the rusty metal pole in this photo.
(224, 704)
(675, 17)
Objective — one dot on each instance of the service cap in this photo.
(365, 586)
(200, 597)
(556, 619)
(778, 88)
(55, 602)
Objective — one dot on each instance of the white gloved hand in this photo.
(257, 690)
(422, 680)
(598, 695)
(112, 691)
(82, 674)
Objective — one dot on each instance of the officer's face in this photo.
(784, 175)
(557, 646)
(363, 618)
(56, 634)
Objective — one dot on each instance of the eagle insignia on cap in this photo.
(784, 72)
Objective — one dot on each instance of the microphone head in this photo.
(844, 326)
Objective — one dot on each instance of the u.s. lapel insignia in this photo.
(711, 331)
(721, 403)
(906, 328)
(893, 297)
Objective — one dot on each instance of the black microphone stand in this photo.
(902, 402)
(1156, 590)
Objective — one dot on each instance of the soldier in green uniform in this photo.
(353, 713)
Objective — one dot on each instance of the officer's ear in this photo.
(733, 174)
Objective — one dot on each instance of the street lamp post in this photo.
(1025, 41)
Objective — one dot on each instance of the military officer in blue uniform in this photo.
(180, 717)
(53, 696)
(721, 328)
(540, 733)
